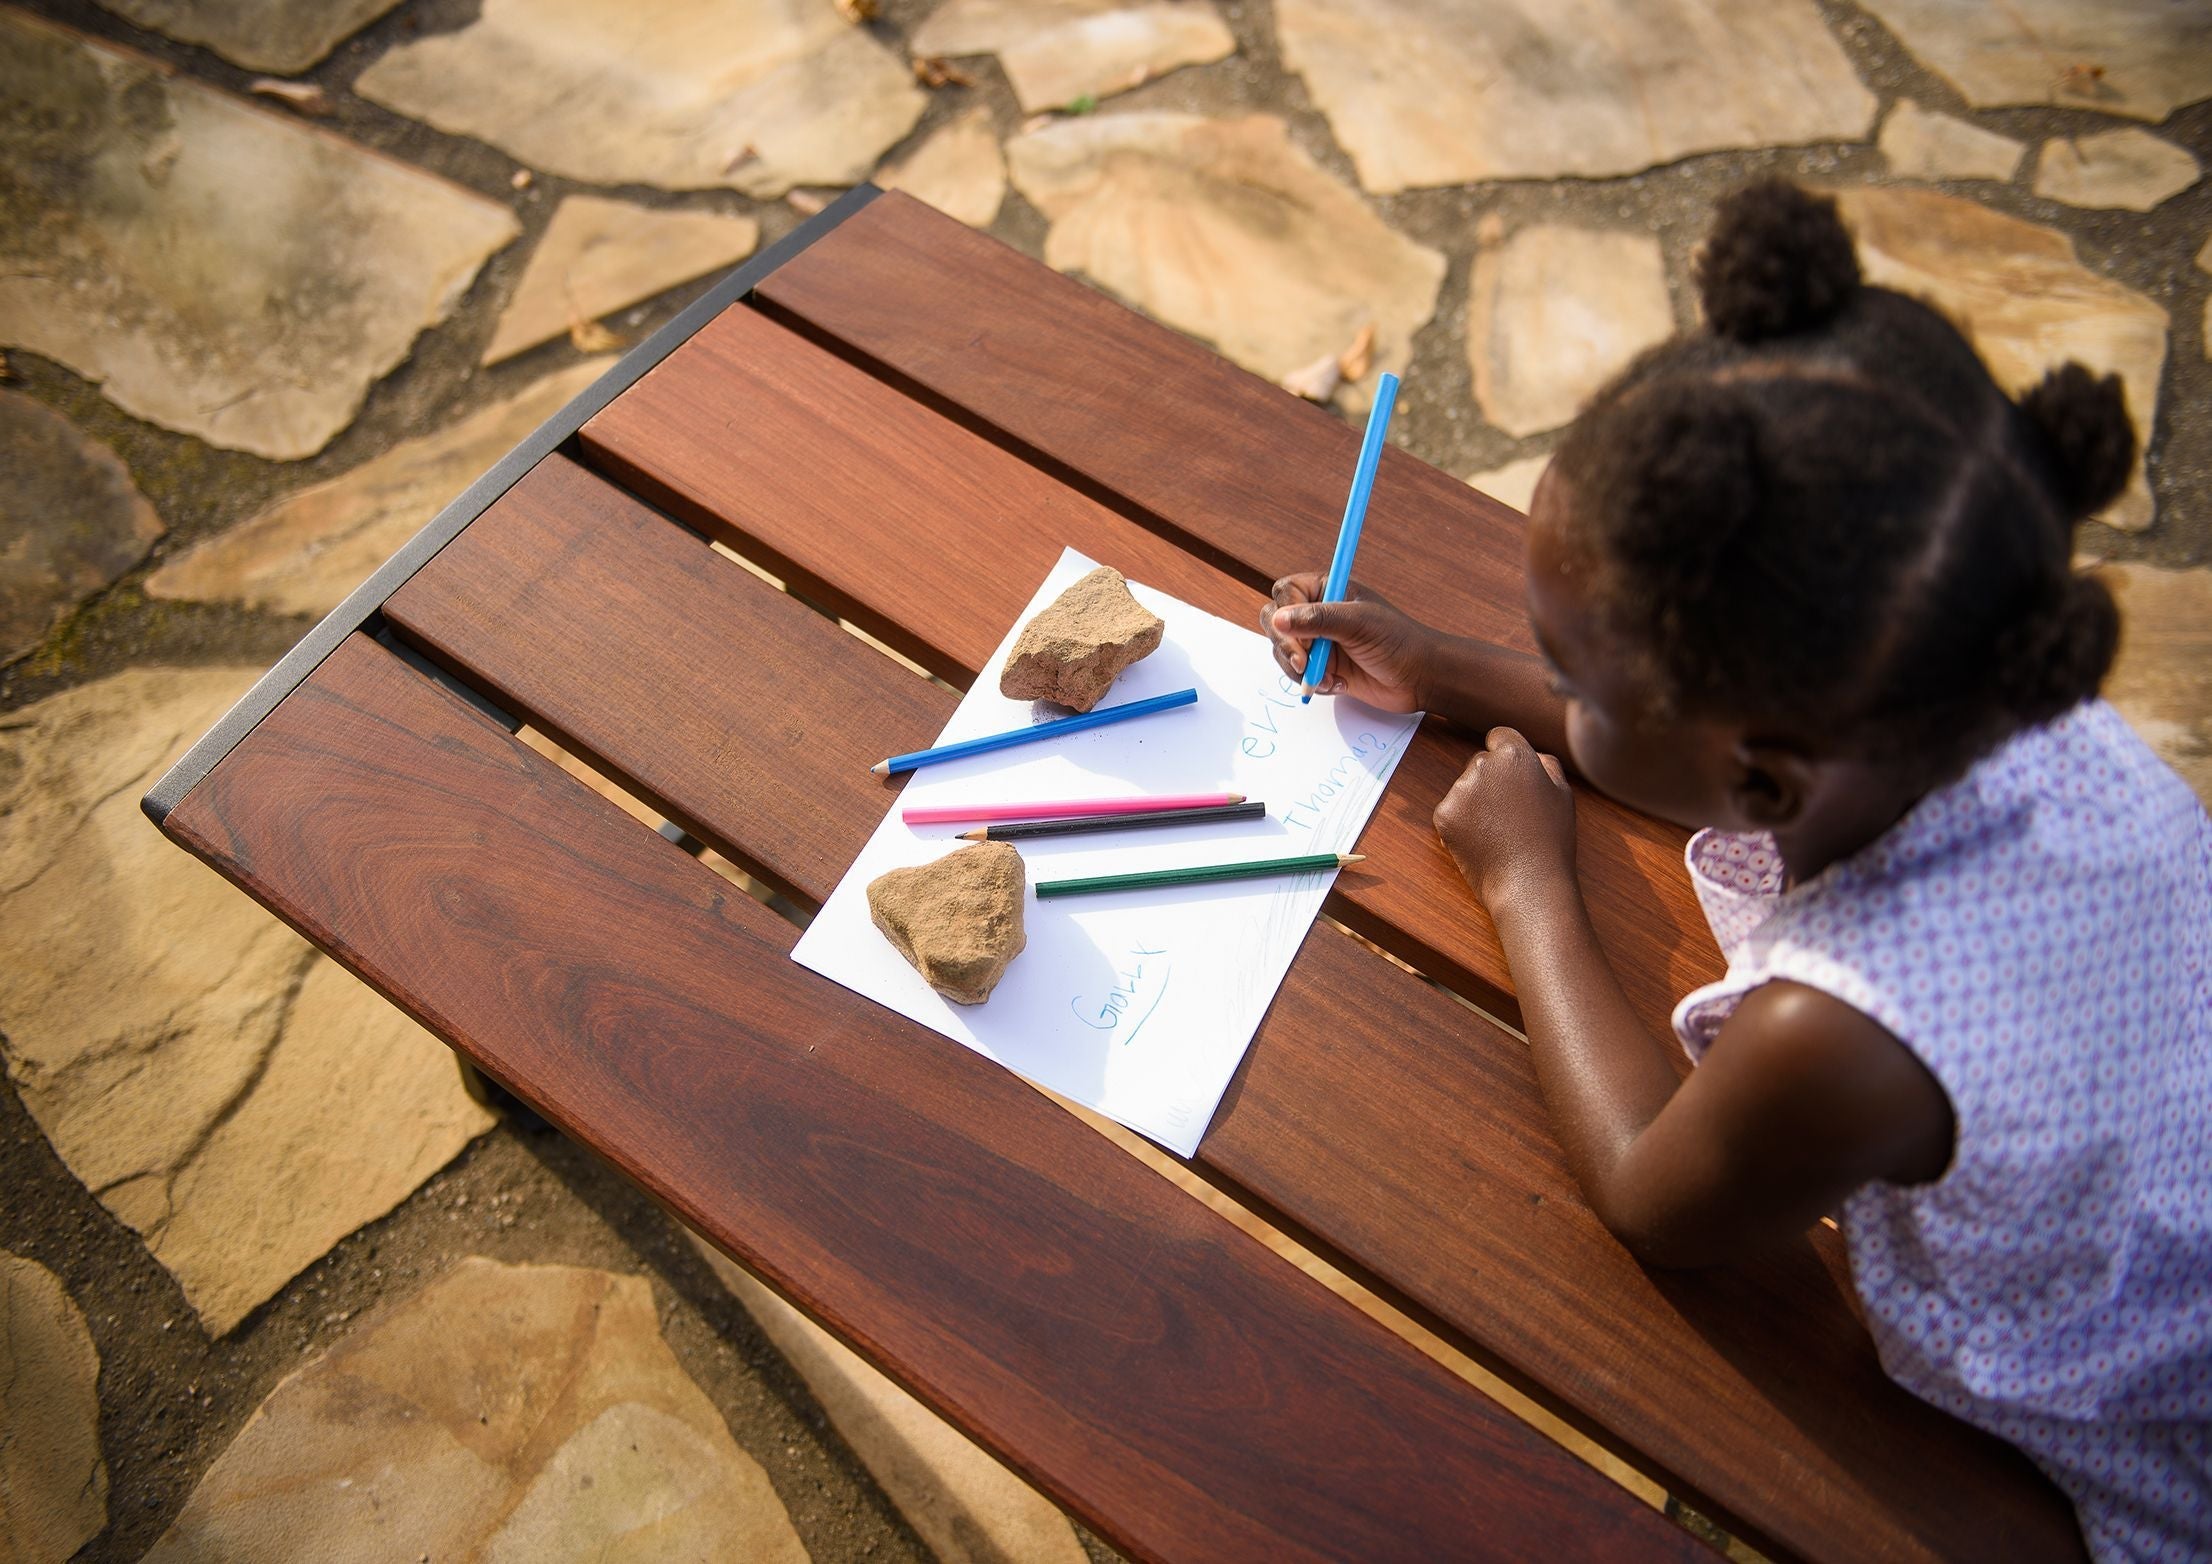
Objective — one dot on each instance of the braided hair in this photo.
(1821, 508)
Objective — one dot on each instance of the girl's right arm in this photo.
(1392, 661)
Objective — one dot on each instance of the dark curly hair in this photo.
(1821, 508)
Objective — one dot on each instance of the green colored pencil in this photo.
(1199, 875)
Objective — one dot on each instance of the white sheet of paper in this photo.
(1138, 1004)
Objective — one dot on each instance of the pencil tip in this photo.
(1346, 858)
(1236, 798)
(981, 833)
(881, 768)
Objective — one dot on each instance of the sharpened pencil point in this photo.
(881, 768)
(981, 833)
(1350, 858)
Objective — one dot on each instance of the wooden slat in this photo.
(934, 539)
(1401, 1131)
(1174, 432)
(1179, 1387)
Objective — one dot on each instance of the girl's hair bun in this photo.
(2056, 659)
(1778, 260)
(2086, 436)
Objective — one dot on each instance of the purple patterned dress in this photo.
(2039, 933)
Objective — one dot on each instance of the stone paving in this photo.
(264, 1266)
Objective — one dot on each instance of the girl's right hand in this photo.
(1381, 655)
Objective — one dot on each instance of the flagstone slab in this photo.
(1513, 484)
(233, 1097)
(505, 1413)
(1059, 52)
(599, 255)
(2131, 169)
(1919, 143)
(2025, 298)
(958, 170)
(71, 521)
(1225, 229)
(2138, 58)
(1553, 313)
(304, 553)
(284, 36)
(53, 1482)
(967, 1507)
(755, 95)
(1448, 92)
(2162, 679)
(220, 269)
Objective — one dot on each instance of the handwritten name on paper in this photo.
(1136, 993)
(1261, 740)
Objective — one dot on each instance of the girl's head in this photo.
(1815, 542)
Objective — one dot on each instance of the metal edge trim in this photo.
(368, 598)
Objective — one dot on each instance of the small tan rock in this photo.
(1074, 650)
(53, 1482)
(958, 920)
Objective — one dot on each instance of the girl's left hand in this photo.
(1509, 821)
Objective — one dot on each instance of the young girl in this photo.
(1803, 580)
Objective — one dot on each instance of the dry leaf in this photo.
(1317, 382)
(857, 10)
(522, 179)
(805, 202)
(588, 336)
(934, 70)
(2083, 81)
(1355, 361)
(303, 96)
(748, 153)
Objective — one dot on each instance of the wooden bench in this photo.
(907, 421)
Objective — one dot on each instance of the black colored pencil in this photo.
(1079, 825)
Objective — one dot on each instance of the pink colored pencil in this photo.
(1066, 808)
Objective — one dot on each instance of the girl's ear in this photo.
(1771, 784)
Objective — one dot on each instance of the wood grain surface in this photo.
(1180, 1388)
(934, 539)
(1400, 1131)
(1153, 422)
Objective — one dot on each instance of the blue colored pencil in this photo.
(1036, 731)
(1347, 537)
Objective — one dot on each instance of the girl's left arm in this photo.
(1800, 1099)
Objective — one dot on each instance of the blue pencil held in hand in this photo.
(1347, 537)
(1036, 731)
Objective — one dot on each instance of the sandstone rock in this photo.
(1226, 230)
(2116, 56)
(1919, 143)
(958, 170)
(1057, 52)
(307, 551)
(1554, 313)
(2028, 303)
(1514, 483)
(598, 255)
(958, 920)
(2162, 680)
(504, 1413)
(1080, 642)
(757, 95)
(71, 521)
(2130, 168)
(1447, 92)
(286, 36)
(235, 1098)
(219, 268)
(53, 1483)
(967, 1507)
